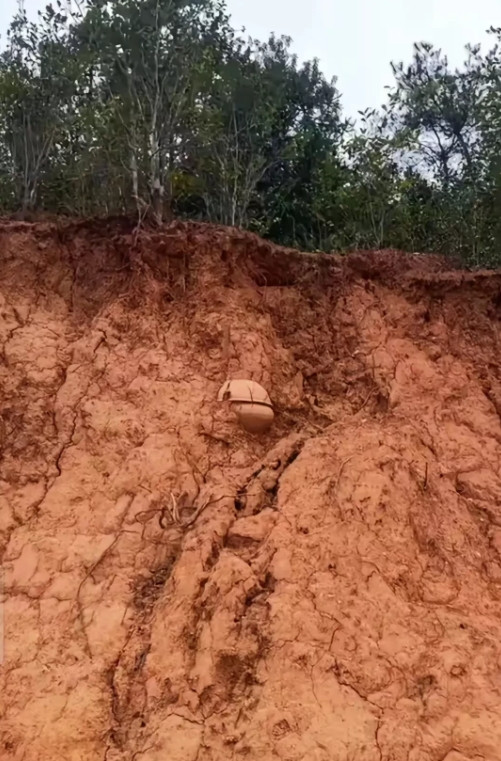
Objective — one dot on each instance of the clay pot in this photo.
(251, 404)
(255, 418)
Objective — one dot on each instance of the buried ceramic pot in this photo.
(250, 402)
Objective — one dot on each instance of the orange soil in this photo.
(339, 596)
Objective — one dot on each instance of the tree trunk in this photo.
(157, 201)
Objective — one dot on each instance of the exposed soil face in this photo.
(338, 596)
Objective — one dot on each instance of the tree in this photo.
(37, 87)
(149, 61)
(451, 114)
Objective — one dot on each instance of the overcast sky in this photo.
(355, 40)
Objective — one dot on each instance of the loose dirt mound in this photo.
(338, 595)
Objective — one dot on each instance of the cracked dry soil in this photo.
(339, 597)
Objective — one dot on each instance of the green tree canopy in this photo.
(160, 108)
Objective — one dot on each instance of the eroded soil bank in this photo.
(338, 597)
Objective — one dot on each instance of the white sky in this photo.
(355, 40)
